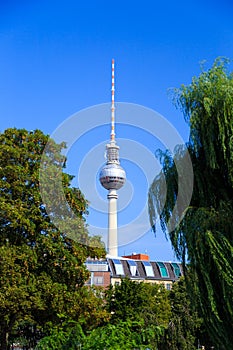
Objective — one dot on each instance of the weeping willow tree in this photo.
(205, 235)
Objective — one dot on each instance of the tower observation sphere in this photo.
(112, 177)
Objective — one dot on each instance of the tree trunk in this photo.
(4, 338)
(6, 328)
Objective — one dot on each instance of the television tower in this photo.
(112, 177)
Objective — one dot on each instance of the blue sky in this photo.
(56, 61)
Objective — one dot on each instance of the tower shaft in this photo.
(112, 244)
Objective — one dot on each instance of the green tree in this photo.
(70, 336)
(143, 305)
(42, 268)
(184, 324)
(124, 335)
(205, 235)
(17, 288)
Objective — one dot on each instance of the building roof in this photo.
(137, 269)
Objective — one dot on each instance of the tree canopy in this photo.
(42, 269)
(145, 308)
(183, 331)
(205, 236)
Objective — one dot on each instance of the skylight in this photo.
(148, 268)
(132, 267)
(176, 269)
(162, 269)
(118, 267)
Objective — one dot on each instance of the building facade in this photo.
(136, 267)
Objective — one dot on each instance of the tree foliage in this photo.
(124, 335)
(184, 323)
(70, 336)
(146, 307)
(42, 268)
(132, 300)
(205, 235)
(141, 316)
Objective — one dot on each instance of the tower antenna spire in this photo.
(113, 103)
